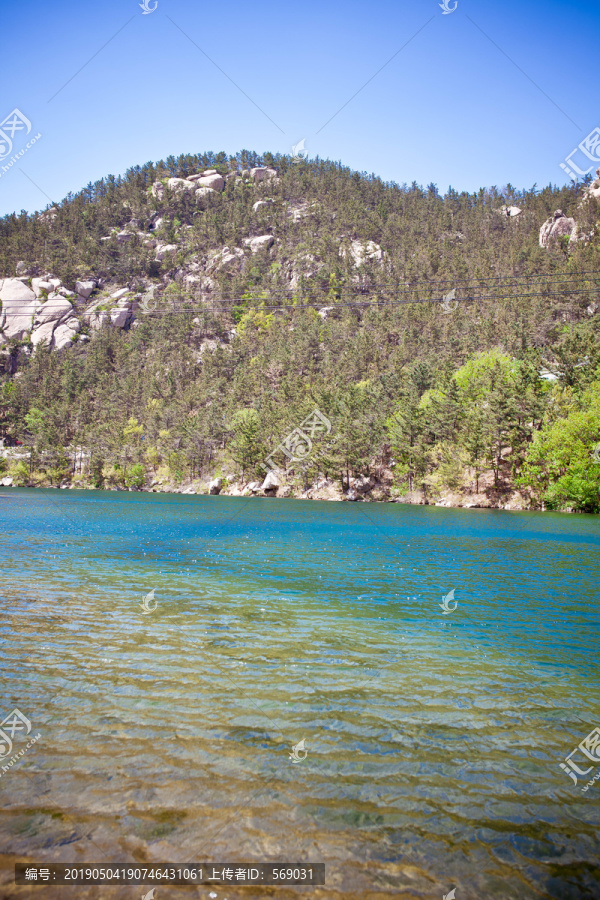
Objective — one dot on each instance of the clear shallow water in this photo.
(433, 741)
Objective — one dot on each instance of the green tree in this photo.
(247, 447)
(562, 463)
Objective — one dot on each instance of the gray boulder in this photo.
(214, 486)
(164, 250)
(262, 173)
(85, 288)
(362, 484)
(203, 192)
(64, 333)
(259, 243)
(593, 189)
(19, 305)
(360, 252)
(40, 285)
(43, 332)
(158, 190)
(555, 227)
(224, 259)
(214, 182)
(49, 216)
(324, 311)
(270, 484)
(119, 317)
(54, 309)
(181, 184)
(200, 175)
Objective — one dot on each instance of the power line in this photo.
(384, 287)
(335, 304)
(366, 303)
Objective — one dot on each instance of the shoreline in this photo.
(509, 500)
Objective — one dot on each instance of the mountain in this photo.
(262, 324)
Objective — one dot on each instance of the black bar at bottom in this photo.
(170, 873)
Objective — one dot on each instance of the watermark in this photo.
(587, 154)
(299, 153)
(148, 301)
(451, 895)
(590, 748)
(32, 874)
(145, 604)
(13, 723)
(596, 453)
(14, 123)
(215, 874)
(149, 895)
(446, 601)
(447, 300)
(297, 751)
(147, 9)
(297, 446)
(446, 11)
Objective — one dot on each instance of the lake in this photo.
(432, 741)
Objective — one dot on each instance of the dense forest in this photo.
(455, 358)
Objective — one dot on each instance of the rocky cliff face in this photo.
(37, 305)
(296, 243)
(556, 227)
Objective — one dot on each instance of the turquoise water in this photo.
(433, 741)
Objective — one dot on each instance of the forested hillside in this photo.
(171, 327)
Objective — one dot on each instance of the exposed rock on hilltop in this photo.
(592, 191)
(160, 235)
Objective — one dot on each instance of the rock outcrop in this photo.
(214, 182)
(270, 485)
(260, 203)
(40, 286)
(19, 305)
(360, 252)
(163, 250)
(263, 242)
(53, 310)
(215, 486)
(209, 179)
(510, 212)
(65, 332)
(48, 217)
(224, 259)
(85, 288)
(262, 173)
(555, 227)
(55, 323)
(592, 191)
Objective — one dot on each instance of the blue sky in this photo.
(489, 94)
